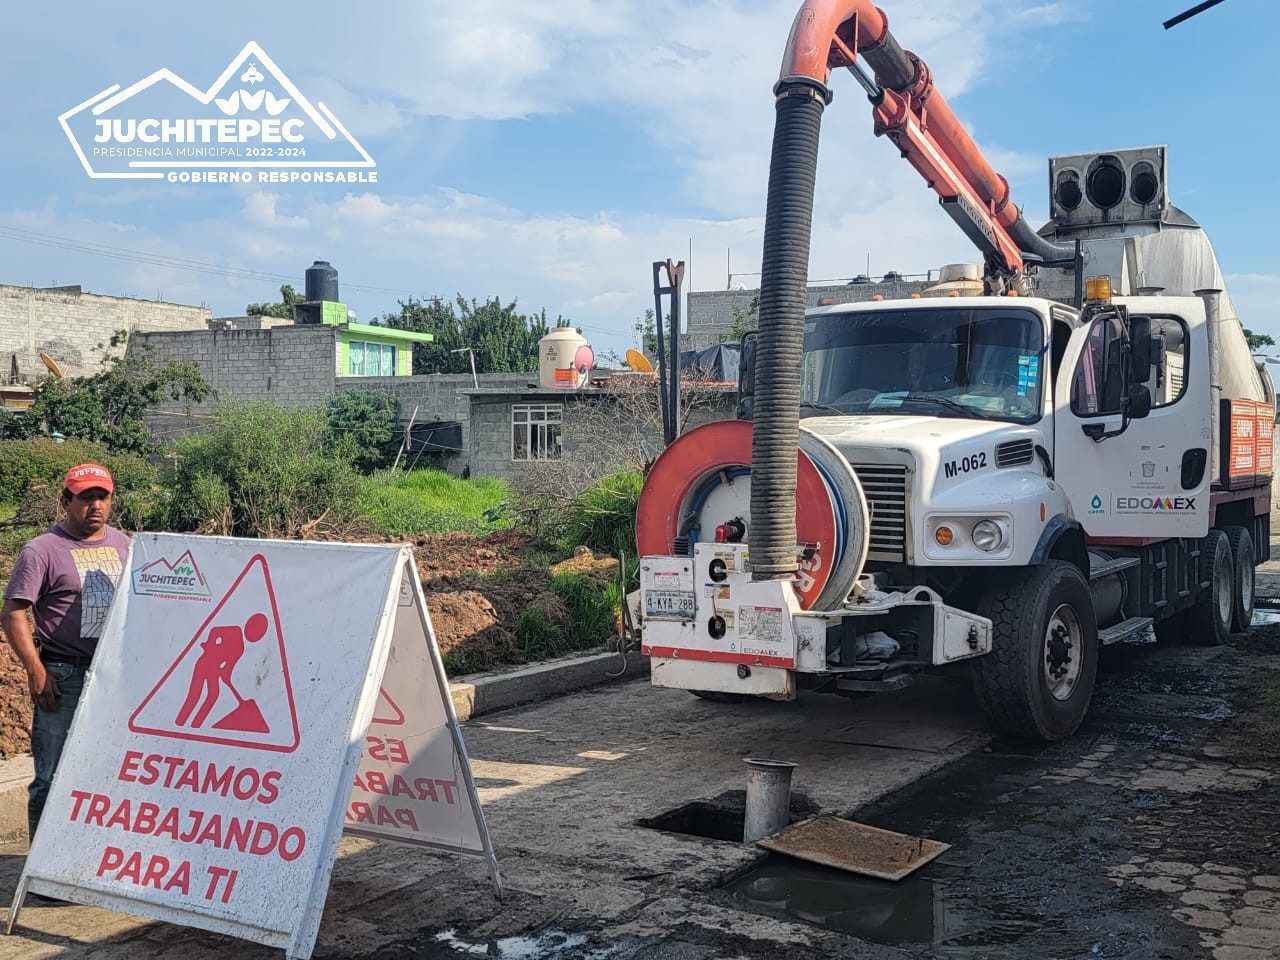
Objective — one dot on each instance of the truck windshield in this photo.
(949, 362)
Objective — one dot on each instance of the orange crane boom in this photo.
(912, 112)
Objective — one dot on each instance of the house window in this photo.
(366, 359)
(535, 431)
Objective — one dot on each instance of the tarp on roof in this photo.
(436, 436)
(718, 363)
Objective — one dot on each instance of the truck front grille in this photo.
(886, 491)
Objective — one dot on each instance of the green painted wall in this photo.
(404, 352)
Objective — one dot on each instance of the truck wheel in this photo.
(1212, 612)
(1241, 544)
(1038, 678)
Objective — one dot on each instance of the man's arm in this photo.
(17, 628)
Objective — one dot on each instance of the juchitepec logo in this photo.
(179, 580)
(252, 125)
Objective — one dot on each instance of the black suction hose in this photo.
(1036, 247)
(779, 358)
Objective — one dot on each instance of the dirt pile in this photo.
(15, 707)
(604, 570)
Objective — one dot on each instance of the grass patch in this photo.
(593, 609)
(604, 517)
(434, 502)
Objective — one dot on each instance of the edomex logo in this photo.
(252, 125)
(1155, 504)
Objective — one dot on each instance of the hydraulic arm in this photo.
(909, 110)
(912, 112)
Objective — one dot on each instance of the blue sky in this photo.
(548, 152)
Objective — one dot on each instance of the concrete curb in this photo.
(15, 775)
(473, 696)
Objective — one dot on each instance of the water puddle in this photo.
(919, 909)
(532, 946)
(1265, 617)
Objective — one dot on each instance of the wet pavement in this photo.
(1150, 834)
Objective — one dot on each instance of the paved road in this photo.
(1150, 834)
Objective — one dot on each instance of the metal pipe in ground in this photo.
(768, 807)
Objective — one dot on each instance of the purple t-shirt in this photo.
(70, 584)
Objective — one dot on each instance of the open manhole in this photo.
(719, 819)
(700, 819)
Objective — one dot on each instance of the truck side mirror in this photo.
(1139, 401)
(1141, 348)
(747, 376)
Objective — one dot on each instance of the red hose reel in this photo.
(715, 453)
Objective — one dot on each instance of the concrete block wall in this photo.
(490, 435)
(74, 327)
(711, 312)
(291, 365)
(439, 396)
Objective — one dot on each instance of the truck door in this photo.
(1152, 479)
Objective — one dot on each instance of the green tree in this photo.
(363, 427)
(1258, 340)
(745, 320)
(283, 309)
(109, 406)
(504, 340)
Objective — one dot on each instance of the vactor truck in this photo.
(1010, 480)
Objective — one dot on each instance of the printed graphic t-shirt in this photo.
(70, 584)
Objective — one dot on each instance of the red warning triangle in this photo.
(386, 711)
(230, 684)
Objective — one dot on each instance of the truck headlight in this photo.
(987, 536)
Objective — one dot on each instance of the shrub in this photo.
(537, 637)
(363, 427)
(27, 464)
(593, 608)
(263, 471)
(42, 460)
(604, 515)
(433, 501)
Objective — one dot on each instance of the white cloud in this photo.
(695, 75)
(260, 209)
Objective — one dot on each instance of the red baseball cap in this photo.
(88, 476)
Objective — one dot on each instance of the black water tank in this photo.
(322, 282)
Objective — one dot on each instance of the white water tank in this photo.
(557, 352)
(957, 279)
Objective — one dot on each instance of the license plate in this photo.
(669, 604)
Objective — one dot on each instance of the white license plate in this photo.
(669, 604)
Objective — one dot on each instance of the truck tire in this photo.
(1210, 620)
(1242, 561)
(1037, 680)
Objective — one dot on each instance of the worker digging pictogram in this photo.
(386, 710)
(230, 684)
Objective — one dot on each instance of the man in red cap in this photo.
(67, 578)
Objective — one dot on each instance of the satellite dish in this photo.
(638, 362)
(584, 359)
(52, 365)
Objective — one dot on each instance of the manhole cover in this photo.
(856, 847)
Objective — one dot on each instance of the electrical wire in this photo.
(113, 252)
(181, 263)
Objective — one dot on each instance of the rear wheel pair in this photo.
(1226, 604)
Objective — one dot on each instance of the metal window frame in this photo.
(537, 417)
